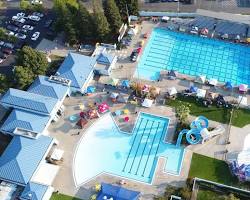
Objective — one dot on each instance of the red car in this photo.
(145, 35)
(139, 50)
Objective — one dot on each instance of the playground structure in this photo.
(198, 132)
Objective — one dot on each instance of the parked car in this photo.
(48, 23)
(18, 24)
(35, 36)
(28, 27)
(134, 56)
(7, 51)
(34, 18)
(38, 14)
(10, 33)
(12, 28)
(33, 2)
(1, 60)
(23, 31)
(32, 23)
(20, 36)
(18, 19)
(21, 14)
(8, 45)
(1, 43)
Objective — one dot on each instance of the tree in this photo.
(25, 5)
(133, 7)
(3, 83)
(32, 59)
(127, 7)
(111, 11)
(229, 197)
(2, 33)
(100, 22)
(182, 113)
(23, 77)
(84, 19)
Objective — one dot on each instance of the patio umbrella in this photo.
(147, 103)
(237, 37)
(172, 91)
(82, 114)
(82, 122)
(201, 79)
(172, 74)
(243, 87)
(126, 111)
(81, 107)
(213, 82)
(90, 89)
(125, 83)
(193, 89)
(113, 81)
(225, 36)
(201, 93)
(104, 107)
(248, 40)
(114, 95)
(118, 112)
(228, 85)
(126, 119)
(204, 31)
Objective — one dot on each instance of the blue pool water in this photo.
(194, 55)
(134, 156)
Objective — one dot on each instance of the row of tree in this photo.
(4, 36)
(101, 25)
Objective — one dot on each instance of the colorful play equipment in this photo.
(198, 132)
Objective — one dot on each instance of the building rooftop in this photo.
(77, 68)
(25, 120)
(34, 191)
(21, 158)
(105, 59)
(44, 87)
(28, 101)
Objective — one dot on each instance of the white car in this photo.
(18, 19)
(35, 36)
(10, 33)
(28, 27)
(1, 43)
(21, 14)
(20, 36)
(1, 60)
(38, 14)
(34, 18)
(36, 2)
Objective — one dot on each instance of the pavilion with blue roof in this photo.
(34, 191)
(22, 157)
(105, 63)
(25, 120)
(109, 191)
(28, 101)
(79, 69)
(43, 86)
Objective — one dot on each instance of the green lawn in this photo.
(207, 195)
(56, 196)
(241, 116)
(211, 169)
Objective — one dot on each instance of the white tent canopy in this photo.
(57, 154)
(147, 103)
(165, 18)
(201, 79)
(132, 31)
(244, 158)
(201, 93)
(242, 100)
(172, 91)
(45, 174)
(213, 81)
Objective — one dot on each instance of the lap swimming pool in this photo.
(104, 149)
(193, 55)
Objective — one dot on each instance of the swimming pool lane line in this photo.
(152, 144)
(138, 146)
(158, 146)
(145, 147)
(132, 144)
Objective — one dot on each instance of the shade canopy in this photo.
(172, 74)
(172, 91)
(114, 95)
(193, 89)
(147, 103)
(242, 100)
(90, 89)
(201, 93)
(104, 107)
(201, 79)
(228, 85)
(243, 87)
(113, 81)
(213, 81)
(57, 154)
(125, 83)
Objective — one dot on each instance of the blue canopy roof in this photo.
(34, 191)
(90, 89)
(193, 89)
(228, 85)
(77, 68)
(28, 101)
(117, 193)
(105, 58)
(125, 83)
(21, 158)
(44, 87)
(26, 120)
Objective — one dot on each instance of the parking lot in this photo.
(42, 25)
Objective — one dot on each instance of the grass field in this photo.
(211, 169)
(56, 196)
(208, 195)
(240, 118)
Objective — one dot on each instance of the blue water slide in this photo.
(193, 136)
(178, 142)
(199, 123)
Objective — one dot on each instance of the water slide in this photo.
(198, 132)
